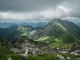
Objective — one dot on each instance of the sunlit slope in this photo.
(57, 33)
(14, 31)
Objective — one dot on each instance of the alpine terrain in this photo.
(59, 38)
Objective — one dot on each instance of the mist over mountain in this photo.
(33, 24)
(77, 23)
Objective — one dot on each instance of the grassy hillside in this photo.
(12, 32)
(3, 49)
(38, 57)
(57, 33)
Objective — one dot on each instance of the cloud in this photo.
(39, 10)
(27, 5)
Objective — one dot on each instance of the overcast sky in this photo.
(39, 10)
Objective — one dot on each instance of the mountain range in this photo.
(14, 31)
(47, 42)
(57, 33)
(33, 24)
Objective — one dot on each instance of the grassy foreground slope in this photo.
(38, 57)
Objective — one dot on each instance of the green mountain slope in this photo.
(14, 31)
(3, 49)
(57, 33)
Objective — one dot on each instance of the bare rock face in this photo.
(32, 47)
(73, 47)
(9, 59)
(26, 52)
(68, 58)
(60, 57)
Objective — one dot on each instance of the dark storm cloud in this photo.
(27, 5)
(42, 10)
